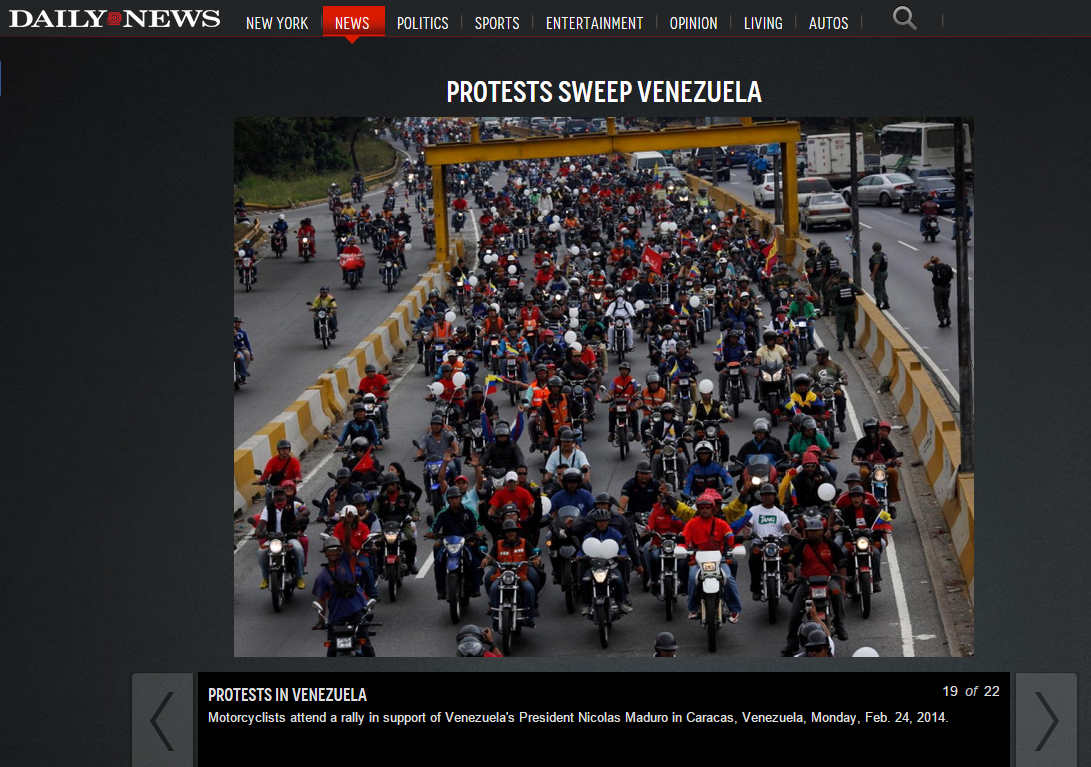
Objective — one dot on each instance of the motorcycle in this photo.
(604, 578)
(306, 249)
(323, 325)
(281, 567)
(671, 473)
(619, 339)
(279, 243)
(511, 365)
(247, 272)
(710, 584)
(345, 639)
(930, 231)
(341, 241)
(458, 220)
(671, 549)
(522, 240)
(389, 271)
(393, 560)
(429, 231)
(818, 596)
(772, 550)
(685, 395)
(357, 191)
(772, 387)
(460, 571)
(511, 616)
(759, 469)
(803, 340)
(562, 555)
(859, 584)
(623, 420)
(353, 277)
(735, 386)
(240, 379)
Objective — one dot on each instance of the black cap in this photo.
(664, 640)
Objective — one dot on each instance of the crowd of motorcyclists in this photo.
(582, 264)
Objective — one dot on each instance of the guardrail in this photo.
(935, 430)
(306, 419)
(380, 176)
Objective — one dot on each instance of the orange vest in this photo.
(653, 399)
(516, 553)
(559, 411)
(538, 395)
(441, 330)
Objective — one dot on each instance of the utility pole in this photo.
(777, 202)
(965, 358)
(715, 177)
(853, 159)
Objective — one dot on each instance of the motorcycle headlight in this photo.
(600, 575)
(778, 375)
(454, 548)
(765, 376)
(275, 546)
(755, 481)
(708, 567)
(862, 544)
(879, 475)
(508, 578)
(669, 450)
(321, 315)
(668, 548)
(391, 538)
(771, 550)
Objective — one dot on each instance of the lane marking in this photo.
(906, 244)
(425, 567)
(866, 226)
(908, 649)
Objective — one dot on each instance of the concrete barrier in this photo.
(307, 418)
(934, 429)
(254, 234)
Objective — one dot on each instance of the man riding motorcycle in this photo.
(705, 532)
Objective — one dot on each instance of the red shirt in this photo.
(459, 204)
(373, 385)
(351, 258)
(662, 521)
(712, 534)
(816, 560)
(359, 535)
(519, 496)
(290, 467)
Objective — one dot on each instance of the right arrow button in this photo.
(1052, 727)
(1046, 720)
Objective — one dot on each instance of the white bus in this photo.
(906, 146)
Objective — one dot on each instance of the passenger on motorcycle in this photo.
(514, 494)
(512, 548)
(874, 445)
(708, 533)
(814, 557)
(704, 473)
(802, 399)
(549, 351)
(624, 387)
(460, 520)
(570, 455)
(809, 437)
(352, 534)
(359, 426)
(669, 515)
(284, 518)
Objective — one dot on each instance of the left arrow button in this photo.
(163, 722)
(159, 711)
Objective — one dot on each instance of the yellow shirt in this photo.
(764, 353)
(329, 302)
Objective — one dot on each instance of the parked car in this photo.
(805, 187)
(918, 173)
(941, 189)
(881, 189)
(825, 209)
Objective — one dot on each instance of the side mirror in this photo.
(257, 472)
(317, 607)
(352, 391)
(416, 444)
(324, 536)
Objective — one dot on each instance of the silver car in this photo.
(825, 209)
(881, 189)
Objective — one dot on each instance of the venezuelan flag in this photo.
(486, 428)
(719, 350)
(492, 384)
(770, 257)
(883, 522)
(517, 430)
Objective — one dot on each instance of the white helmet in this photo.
(705, 387)
(281, 216)
(705, 445)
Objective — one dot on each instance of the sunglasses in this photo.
(521, 473)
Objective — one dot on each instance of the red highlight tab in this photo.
(353, 21)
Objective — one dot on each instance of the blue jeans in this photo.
(622, 584)
(652, 559)
(241, 360)
(829, 467)
(526, 593)
(297, 550)
(366, 577)
(734, 605)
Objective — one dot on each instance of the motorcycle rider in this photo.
(464, 344)
(602, 531)
(281, 519)
(620, 307)
(669, 515)
(325, 301)
(860, 513)
(762, 444)
(713, 411)
(243, 348)
(353, 534)
(511, 548)
(306, 230)
(812, 557)
(437, 441)
(773, 352)
(377, 384)
(281, 466)
(872, 443)
(572, 494)
(424, 325)
(515, 343)
(733, 351)
(359, 426)
(759, 522)
(351, 259)
(337, 591)
(683, 364)
(626, 388)
(455, 519)
(708, 533)
(802, 399)
(800, 486)
(568, 454)
(808, 437)
(555, 413)
(704, 473)
(394, 504)
(343, 489)
(514, 494)
(502, 453)
(828, 373)
(549, 351)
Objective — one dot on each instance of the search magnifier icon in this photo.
(908, 17)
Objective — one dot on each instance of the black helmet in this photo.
(358, 407)
(284, 443)
(555, 381)
(822, 350)
(812, 636)
(454, 492)
(343, 473)
(436, 419)
(369, 368)
(476, 389)
(664, 640)
(644, 468)
(768, 335)
(572, 475)
(469, 631)
(853, 476)
(541, 368)
(509, 524)
(566, 435)
(390, 478)
(598, 515)
(604, 498)
(767, 488)
(332, 543)
(502, 429)
(871, 423)
(811, 252)
(845, 274)
(857, 490)
(512, 326)
(802, 378)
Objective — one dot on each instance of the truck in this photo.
(828, 156)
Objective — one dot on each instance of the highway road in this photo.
(908, 285)
(905, 618)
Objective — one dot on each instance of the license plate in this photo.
(818, 593)
(621, 408)
(830, 219)
(733, 371)
(344, 643)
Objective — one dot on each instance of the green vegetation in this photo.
(283, 159)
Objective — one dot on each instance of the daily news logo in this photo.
(125, 19)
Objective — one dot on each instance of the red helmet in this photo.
(513, 283)
(809, 457)
(884, 425)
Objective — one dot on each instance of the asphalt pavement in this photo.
(287, 358)
(905, 618)
(908, 285)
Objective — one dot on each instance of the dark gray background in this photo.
(117, 416)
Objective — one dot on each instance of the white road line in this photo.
(906, 244)
(425, 567)
(923, 354)
(948, 220)
(895, 572)
(865, 225)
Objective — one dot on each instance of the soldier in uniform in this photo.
(816, 275)
(878, 275)
(942, 274)
(832, 267)
(844, 310)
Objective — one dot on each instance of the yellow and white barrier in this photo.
(308, 417)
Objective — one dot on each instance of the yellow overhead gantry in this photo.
(782, 132)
